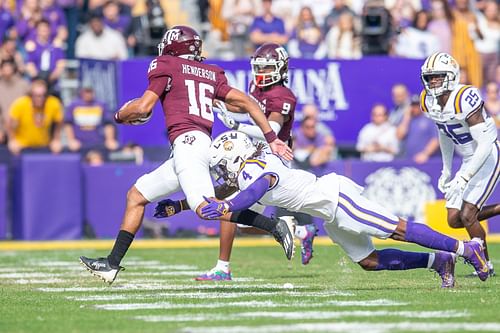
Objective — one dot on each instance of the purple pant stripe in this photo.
(366, 211)
(357, 218)
(493, 179)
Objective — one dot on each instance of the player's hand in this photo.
(167, 208)
(456, 186)
(224, 116)
(214, 209)
(282, 149)
(443, 182)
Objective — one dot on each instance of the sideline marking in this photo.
(172, 243)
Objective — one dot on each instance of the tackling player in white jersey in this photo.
(464, 126)
(350, 218)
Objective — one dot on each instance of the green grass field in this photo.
(48, 291)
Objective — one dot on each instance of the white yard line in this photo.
(373, 302)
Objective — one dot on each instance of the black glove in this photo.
(167, 208)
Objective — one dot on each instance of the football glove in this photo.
(214, 209)
(167, 208)
(443, 182)
(224, 116)
(456, 186)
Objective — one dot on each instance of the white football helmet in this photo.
(440, 64)
(227, 152)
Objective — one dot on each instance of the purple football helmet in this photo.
(181, 41)
(269, 65)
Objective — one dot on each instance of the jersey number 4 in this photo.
(200, 103)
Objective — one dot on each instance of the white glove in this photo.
(443, 182)
(224, 116)
(456, 186)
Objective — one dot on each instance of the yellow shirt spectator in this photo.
(34, 124)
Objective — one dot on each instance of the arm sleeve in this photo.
(447, 148)
(222, 88)
(250, 195)
(484, 139)
(255, 132)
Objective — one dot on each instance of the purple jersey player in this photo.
(186, 88)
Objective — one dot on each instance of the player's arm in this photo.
(169, 207)
(137, 108)
(246, 198)
(275, 119)
(484, 138)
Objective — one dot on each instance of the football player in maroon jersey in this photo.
(186, 88)
(270, 73)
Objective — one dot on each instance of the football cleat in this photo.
(444, 265)
(491, 272)
(215, 275)
(101, 268)
(284, 232)
(307, 243)
(474, 255)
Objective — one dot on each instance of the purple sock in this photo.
(421, 234)
(396, 260)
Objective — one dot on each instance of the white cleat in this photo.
(284, 233)
(101, 268)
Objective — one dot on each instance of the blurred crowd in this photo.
(38, 37)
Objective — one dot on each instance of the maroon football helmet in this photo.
(181, 41)
(269, 65)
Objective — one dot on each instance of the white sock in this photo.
(460, 249)
(300, 231)
(222, 266)
(490, 264)
(431, 260)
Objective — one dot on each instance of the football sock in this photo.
(421, 234)
(395, 260)
(461, 248)
(222, 266)
(300, 231)
(253, 219)
(432, 256)
(122, 243)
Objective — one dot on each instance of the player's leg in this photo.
(488, 212)
(371, 218)
(149, 187)
(359, 248)
(222, 271)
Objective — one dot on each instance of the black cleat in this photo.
(101, 268)
(284, 233)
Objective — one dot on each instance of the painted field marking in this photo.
(350, 327)
(167, 305)
(301, 315)
(373, 302)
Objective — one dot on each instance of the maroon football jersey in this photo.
(187, 89)
(277, 99)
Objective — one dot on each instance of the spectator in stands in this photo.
(343, 41)
(339, 7)
(89, 128)
(489, 46)
(492, 102)
(401, 100)
(29, 15)
(415, 41)
(125, 5)
(417, 134)
(147, 29)
(113, 19)
(311, 148)
(58, 25)
(8, 51)
(239, 15)
(35, 120)
(100, 42)
(311, 111)
(454, 38)
(402, 12)
(12, 86)
(45, 60)
(71, 10)
(306, 40)
(377, 140)
(267, 28)
(6, 20)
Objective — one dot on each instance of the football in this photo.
(142, 120)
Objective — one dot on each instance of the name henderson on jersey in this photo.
(197, 71)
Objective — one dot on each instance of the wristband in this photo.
(270, 136)
(117, 118)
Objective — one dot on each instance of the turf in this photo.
(48, 291)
